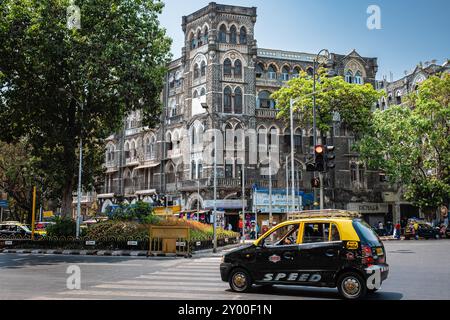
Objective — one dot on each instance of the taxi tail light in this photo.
(367, 256)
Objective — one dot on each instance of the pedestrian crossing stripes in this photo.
(193, 279)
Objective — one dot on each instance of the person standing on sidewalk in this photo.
(397, 231)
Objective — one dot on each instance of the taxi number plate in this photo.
(380, 251)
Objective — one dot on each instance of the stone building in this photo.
(222, 67)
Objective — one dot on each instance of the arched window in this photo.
(349, 77)
(259, 70)
(227, 100)
(227, 67)
(353, 172)
(358, 78)
(193, 170)
(310, 71)
(296, 72)
(206, 35)
(169, 142)
(152, 147)
(272, 71)
(199, 38)
(238, 69)
(202, 92)
(272, 136)
(298, 139)
(223, 34)
(193, 41)
(243, 36)
(127, 150)
(133, 150)
(233, 35)
(200, 170)
(285, 73)
(196, 71)
(195, 95)
(265, 101)
(398, 97)
(238, 101)
(203, 69)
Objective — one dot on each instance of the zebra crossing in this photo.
(192, 280)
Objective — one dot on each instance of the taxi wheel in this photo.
(240, 280)
(352, 286)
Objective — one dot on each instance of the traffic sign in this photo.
(4, 204)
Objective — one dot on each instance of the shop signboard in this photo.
(223, 204)
(280, 201)
(368, 208)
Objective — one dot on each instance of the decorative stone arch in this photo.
(191, 201)
(234, 55)
(289, 67)
(197, 60)
(354, 66)
(297, 66)
(419, 78)
(274, 64)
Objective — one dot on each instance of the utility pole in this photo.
(270, 188)
(33, 214)
(287, 185)
(243, 201)
(291, 103)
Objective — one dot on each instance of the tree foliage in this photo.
(333, 95)
(411, 143)
(114, 64)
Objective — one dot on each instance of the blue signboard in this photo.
(3, 203)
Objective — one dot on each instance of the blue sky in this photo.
(412, 30)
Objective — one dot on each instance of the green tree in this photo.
(18, 175)
(411, 143)
(114, 64)
(333, 95)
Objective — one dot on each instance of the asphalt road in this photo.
(419, 270)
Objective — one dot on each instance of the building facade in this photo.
(222, 68)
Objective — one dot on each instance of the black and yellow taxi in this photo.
(326, 249)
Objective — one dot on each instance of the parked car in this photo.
(14, 229)
(424, 230)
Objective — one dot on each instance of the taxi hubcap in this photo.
(351, 286)
(239, 280)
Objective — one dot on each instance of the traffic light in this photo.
(315, 183)
(319, 151)
(330, 157)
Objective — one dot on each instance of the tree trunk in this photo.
(67, 199)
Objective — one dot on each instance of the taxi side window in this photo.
(316, 232)
(334, 236)
(283, 236)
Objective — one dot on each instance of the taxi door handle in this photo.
(330, 253)
(288, 256)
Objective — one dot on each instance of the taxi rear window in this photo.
(366, 234)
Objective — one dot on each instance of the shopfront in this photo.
(228, 212)
(373, 213)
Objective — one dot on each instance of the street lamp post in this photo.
(315, 62)
(206, 107)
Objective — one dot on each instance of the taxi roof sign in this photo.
(329, 213)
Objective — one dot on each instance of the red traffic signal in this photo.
(319, 149)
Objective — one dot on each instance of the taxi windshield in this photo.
(286, 235)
